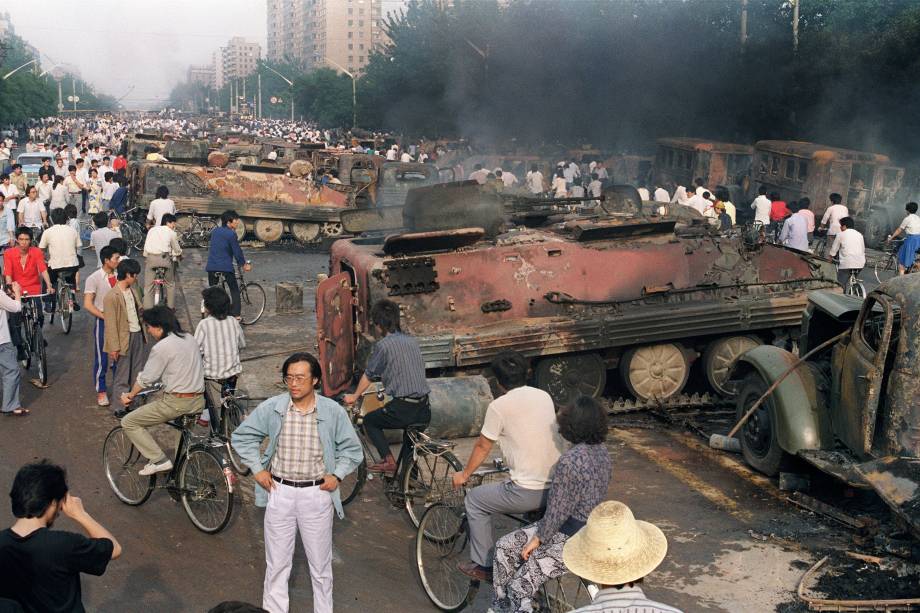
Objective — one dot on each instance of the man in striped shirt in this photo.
(220, 339)
(396, 361)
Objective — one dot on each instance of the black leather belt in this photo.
(290, 483)
(414, 400)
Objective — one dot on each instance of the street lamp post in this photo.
(354, 93)
(286, 80)
(18, 68)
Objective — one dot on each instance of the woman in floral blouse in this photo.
(530, 556)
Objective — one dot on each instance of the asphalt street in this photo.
(735, 544)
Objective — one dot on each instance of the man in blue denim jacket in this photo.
(312, 446)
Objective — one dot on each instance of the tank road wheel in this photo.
(655, 371)
(759, 444)
(240, 230)
(268, 230)
(305, 232)
(332, 228)
(720, 356)
(565, 377)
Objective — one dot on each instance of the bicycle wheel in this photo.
(352, 484)
(887, 264)
(252, 303)
(441, 543)
(158, 297)
(427, 481)
(41, 354)
(205, 492)
(857, 289)
(233, 416)
(65, 308)
(26, 344)
(562, 594)
(122, 461)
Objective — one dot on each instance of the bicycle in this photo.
(443, 541)
(252, 296)
(64, 303)
(133, 232)
(889, 261)
(159, 283)
(230, 416)
(33, 338)
(200, 478)
(196, 229)
(854, 286)
(423, 472)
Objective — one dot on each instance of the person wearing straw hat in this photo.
(616, 551)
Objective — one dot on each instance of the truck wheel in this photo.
(566, 377)
(655, 371)
(268, 230)
(305, 232)
(719, 357)
(759, 444)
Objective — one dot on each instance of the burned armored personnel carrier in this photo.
(581, 299)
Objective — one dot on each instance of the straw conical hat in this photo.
(614, 547)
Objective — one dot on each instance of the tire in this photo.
(41, 354)
(158, 298)
(565, 377)
(426, 482)
(121, 462)
(252, 303)
(882, 266)
(857, 289)
(65, 309)
(204, 490)
(233, 416)
(655, 371)
(720, 356)
(352, 484)
(759, 444)
(443, 541)
(27, 348)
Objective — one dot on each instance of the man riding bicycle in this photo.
(396, 361)
(523, 421)
(25, 265)
(223, 249)
(63, 245)
(175, 362)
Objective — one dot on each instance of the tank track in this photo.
(616, 406)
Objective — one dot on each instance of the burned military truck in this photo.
(580, 299)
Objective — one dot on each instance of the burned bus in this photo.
(868, 182)
(679, 161)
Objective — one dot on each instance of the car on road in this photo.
(852, 410)
(31, 163)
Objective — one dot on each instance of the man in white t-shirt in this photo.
(699, 202)
(832, 216)
(762, 206)
(160, 206)
(523, 421)
(851, 247)
(661, 195)
(534, 180)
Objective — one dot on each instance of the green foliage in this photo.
(324, 96)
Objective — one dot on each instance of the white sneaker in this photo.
(153, 468)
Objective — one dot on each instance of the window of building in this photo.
(350, 11)
(360, 23)
(803, 170)
(351, 58)
(360, 58)
(350, 34)
(790, 169)
(361, 46)
(350, 46)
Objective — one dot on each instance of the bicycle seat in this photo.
(418, 427)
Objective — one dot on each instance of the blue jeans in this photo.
(10, 376)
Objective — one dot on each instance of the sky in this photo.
(144, 44)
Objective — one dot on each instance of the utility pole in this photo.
(259, 81)
(795, 26)
(744, 16)
(74, 83)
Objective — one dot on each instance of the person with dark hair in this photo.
(397, 362)
(120, 197)
(223, 249)
(161, 250)
(9, 192)
(63, 245)
(159, 206)
(804, 211)
(778, 213)
(762, 206)
(74, 186)
(10, 305)
(98, 285)
(39, 567)
(109, 187)
(910, 227)
(534, 180)
(18, 179)
(528, 557)
(220, 339)
(851, 247)
(105, 231)
(25, 265)
(700, 186)
(175, 363)
(832, 216)
(795, 231)
(311, 447)
(123, 336)
(523, 421)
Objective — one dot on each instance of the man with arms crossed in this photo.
(523, 421)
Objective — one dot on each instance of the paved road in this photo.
(734, 545)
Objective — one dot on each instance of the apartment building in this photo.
(331, 33)
(202, 75)
(238, 59)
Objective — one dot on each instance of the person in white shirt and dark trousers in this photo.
(160, 248)
(9, 367)
(911, 229)
(851, 247)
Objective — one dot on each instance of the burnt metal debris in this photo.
(591, 293)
